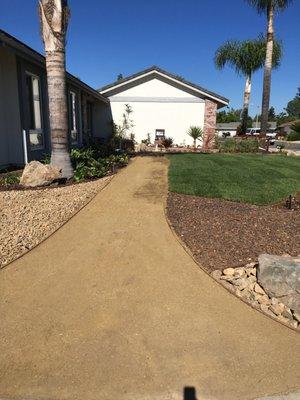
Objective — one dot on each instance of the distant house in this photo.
(227, 129)
(163, 105)
(24, 109)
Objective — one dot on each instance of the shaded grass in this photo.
(250, 178)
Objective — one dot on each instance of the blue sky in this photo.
(106, 38)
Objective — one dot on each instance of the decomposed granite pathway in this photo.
(112, 307)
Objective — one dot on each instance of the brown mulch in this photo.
(224, 233)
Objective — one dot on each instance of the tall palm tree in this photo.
(245, 57)
(269, 7)
(196, 133)
(54, 16)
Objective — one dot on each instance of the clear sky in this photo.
(106, 38)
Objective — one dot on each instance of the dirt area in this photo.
(29, 216)
(224, 234)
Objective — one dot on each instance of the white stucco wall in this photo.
(158, 105)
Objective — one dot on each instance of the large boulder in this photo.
(38, 174)
(280, 278)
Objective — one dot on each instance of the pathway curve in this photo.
(112, 308)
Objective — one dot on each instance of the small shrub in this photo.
(11, 179)
(167, 142)
(293, 136)
(232, 145)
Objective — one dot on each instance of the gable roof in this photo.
(156, 72)
(32, 55)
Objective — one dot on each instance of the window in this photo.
(74, 122)
(159, 134)
(36, 135)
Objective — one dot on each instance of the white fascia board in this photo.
(171, 79)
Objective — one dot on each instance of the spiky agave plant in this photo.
(196, 133)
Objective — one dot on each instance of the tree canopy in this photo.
(293, 106)
(263, 5)
(246, 56)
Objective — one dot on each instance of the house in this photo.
(24, 113)
(163, 105)
(227, 129)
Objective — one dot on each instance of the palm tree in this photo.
(245, 57)
(196, 133)
(54, 16)
(270, 7)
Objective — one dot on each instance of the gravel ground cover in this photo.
(29, 216)
(224, 234)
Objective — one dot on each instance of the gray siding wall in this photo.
(102, 121)
(11, 147)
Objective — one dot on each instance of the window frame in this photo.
(31, 111)
(74, 118)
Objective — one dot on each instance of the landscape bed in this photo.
(209, 206)
(27, 217)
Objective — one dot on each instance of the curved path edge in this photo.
(111, 306)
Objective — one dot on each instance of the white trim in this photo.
(120, 99)
(167, 77)
(25, 147)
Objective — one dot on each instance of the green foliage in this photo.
(167, 142)
(234, 145)
(247, 56)
(293, 136)
(251, 178)
(263, 5)
(87, 165)
(10, 179)
(195, 132)
(293, 106)
(296, 126)
(46, 159)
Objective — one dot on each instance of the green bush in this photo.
(293, 136)
(232, 145)
(87, 164)
(11, 179)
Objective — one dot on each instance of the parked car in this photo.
(253, 131)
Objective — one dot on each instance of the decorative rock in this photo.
(280, 277)
(296, 316)
(228, 271)
(38, 174)
(241, 283)
(259, 289)
(251, 271)
(286, 313)
(294, 323)
(239, 272)
(216, 274)
(277, 308)
(264, 300)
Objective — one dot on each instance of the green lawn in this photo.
(257, 179)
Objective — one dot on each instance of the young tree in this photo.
(54, 16)
(245, 57)
(196, 133)
(268, 7)
(293, 106)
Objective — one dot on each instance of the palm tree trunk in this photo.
(195, 144)
(57, 93)
(54, 23)
(267, 70)
(247, 93)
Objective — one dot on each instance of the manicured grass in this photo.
(257, 179)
